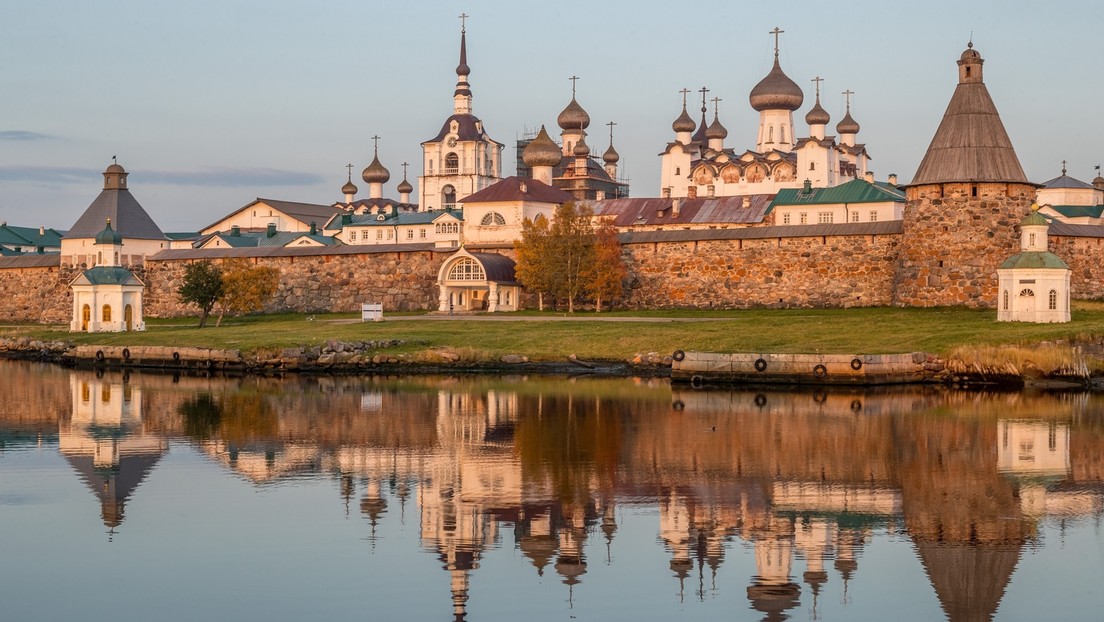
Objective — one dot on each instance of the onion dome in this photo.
(776, 92)
(715, 129)
(405, 187)
(109, 235)
(818, 115)
(684, 123)
(376, 173)
(573, 117)
(542, 151)
(847, 125)
(1034, 218)
(349, 188)
(611, 156)
(581, 149)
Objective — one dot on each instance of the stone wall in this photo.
(36, 294)
(1085, 257)
(820, 271)
(955, 236)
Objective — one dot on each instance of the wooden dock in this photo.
(700, 368)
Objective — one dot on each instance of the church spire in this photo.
(462, 96)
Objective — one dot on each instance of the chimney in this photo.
(41, 230)
(692, 192)
(313, 229)
(599, 195)
(747, 202)
(869, 177)
(346, 219)
(271, 230)
(675, 207)
(523, 188)
(807, 188)
(893, 178)
(235, 231)
(666, 192)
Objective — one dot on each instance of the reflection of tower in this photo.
(571, 564)
(373, 505)
(812, 538)
(104, 442)
(674, 528)
(848, 546)
(772, 592)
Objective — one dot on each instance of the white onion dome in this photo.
(611, 156)
(847, 125)
(818, 115)
(376, 173)
(542, 151)
(573, 117)
(715, 129)
(684, 123)
(581, 149)
(776, 92)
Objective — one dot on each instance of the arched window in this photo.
(493, 218)
(1005, 301)
(782, 131)
(466, 269)
(1031, 239)
(1027, 293)
(770, 134)
(1053, 299)
(448, 195)
(106, 317)
(452, 163)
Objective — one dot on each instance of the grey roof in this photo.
(396, 220)
(645, 211)
(261, 238)
(305, 213)
(1058, 227)
(126, 214)
(36, 260)
(499, 268)
(1065, 181)
(281, 251)
(970, 144)
(886, 227)
(468, 129)
(107, 275)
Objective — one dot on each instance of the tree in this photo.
(606, 275)
(535, 266)
(202, 286)
(571, 245)
(246, 288)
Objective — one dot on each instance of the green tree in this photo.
(606, 274)
(246, 288)
(571, 244)
(202, 286)
(535, 265)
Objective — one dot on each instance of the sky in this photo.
(211, 104)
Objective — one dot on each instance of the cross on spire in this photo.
(716, 108)
(703, 91)
(1063, 167)
(684, 92)
(573, 79)
(375, 145)
(776, 32)
(818, 80)
(847, 94)
(463, 22)
(611, 124)
(350, 167)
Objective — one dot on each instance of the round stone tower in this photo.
(964, 203)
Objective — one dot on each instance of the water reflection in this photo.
(794, 485)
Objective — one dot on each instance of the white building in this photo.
(107, 297)
(1071, 200)
(1034, 284)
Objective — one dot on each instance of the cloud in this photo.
(215, 178)
(23, 135)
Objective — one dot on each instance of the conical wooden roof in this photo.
(971, 144)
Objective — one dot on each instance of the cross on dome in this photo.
(776, 32)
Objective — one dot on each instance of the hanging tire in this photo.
(678, 355)
(126, 354)
(820, 371)
(176, 357)
(760, 400)
(856, 363)
(678, 406)
(856, 405)
(760, 365)
(696, 381)
(99, 355)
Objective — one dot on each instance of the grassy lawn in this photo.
(846, 331)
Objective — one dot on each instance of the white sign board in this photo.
(371, 312)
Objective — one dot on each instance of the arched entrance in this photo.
(128, 317)
(472, 282)
(86, 317)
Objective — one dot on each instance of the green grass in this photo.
(845, 331)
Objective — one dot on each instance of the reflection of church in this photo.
(105, 443)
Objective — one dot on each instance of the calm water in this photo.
(152, 498)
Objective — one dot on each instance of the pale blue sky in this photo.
(209, 104)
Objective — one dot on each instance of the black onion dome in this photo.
(818, 115)
(684, 123)
(611, 156)
(573, 117)
(776, 92)
(376, 173)
(847, 125)
(542, 151)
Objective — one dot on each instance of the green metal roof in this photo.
(110, 275)
(854, 191)
(1079, 211)
(1034, 259)
(28, 236)
(1034, 218)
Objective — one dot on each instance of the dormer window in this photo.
(381, 217)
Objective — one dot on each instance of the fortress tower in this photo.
(963, 204)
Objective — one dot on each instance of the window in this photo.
(448, 196)
(854, 217)
(770, 134)
(106, 313)
(1053, 300)
(422, 233)
(452, 163)
(812, 166)
(1027, 293)
(493, 218)
(390, 233)
(825, 217)
(804, 218)
(873, 215)
(1031, 239)
(1004, 301)
(379, 234)
(466, 269)
(786, 218)
(352, 235)
(410, 234)
(782, 131)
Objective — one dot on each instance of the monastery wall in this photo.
(1085, 257)
(38, 294)
(811, 271)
